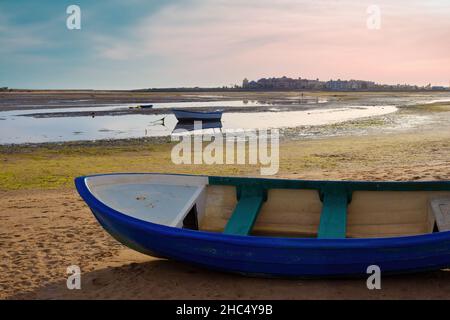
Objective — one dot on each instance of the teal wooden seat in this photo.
(244, 215)
(333, 220)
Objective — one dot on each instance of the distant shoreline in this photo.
(188, 90)
(51, 99)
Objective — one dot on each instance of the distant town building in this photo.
(285, 83)
(342, 85)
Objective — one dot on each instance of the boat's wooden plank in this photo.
(244, 215)
(386, 230)
(376, 207)
(333, 220)
(441, 210)
(296, 212)
(291, 213)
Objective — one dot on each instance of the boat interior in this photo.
(258, 207)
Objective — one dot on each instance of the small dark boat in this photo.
(277, 227)
(146, 106)
(189, 116)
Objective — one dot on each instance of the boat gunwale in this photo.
(197, 112)
(264, 241)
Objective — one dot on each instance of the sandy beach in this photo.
(59, 231)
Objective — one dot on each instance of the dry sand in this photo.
(43, 232)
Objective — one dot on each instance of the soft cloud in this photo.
(216, 42)
(15, 39)
(227, 40)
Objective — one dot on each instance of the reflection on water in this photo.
(291, 119)
(234, 103)
(181, 127)
(165, 105)
(18, 129)
(169, 105)
(34, 130)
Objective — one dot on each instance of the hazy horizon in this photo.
(211, 43)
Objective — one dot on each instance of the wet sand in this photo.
(48, 99)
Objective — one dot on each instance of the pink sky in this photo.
(221, 42)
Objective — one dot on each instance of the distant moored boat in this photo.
(189, 116)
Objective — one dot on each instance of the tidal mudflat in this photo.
(59, 117)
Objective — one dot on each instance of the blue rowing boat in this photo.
(190, 116)
(276, 227)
